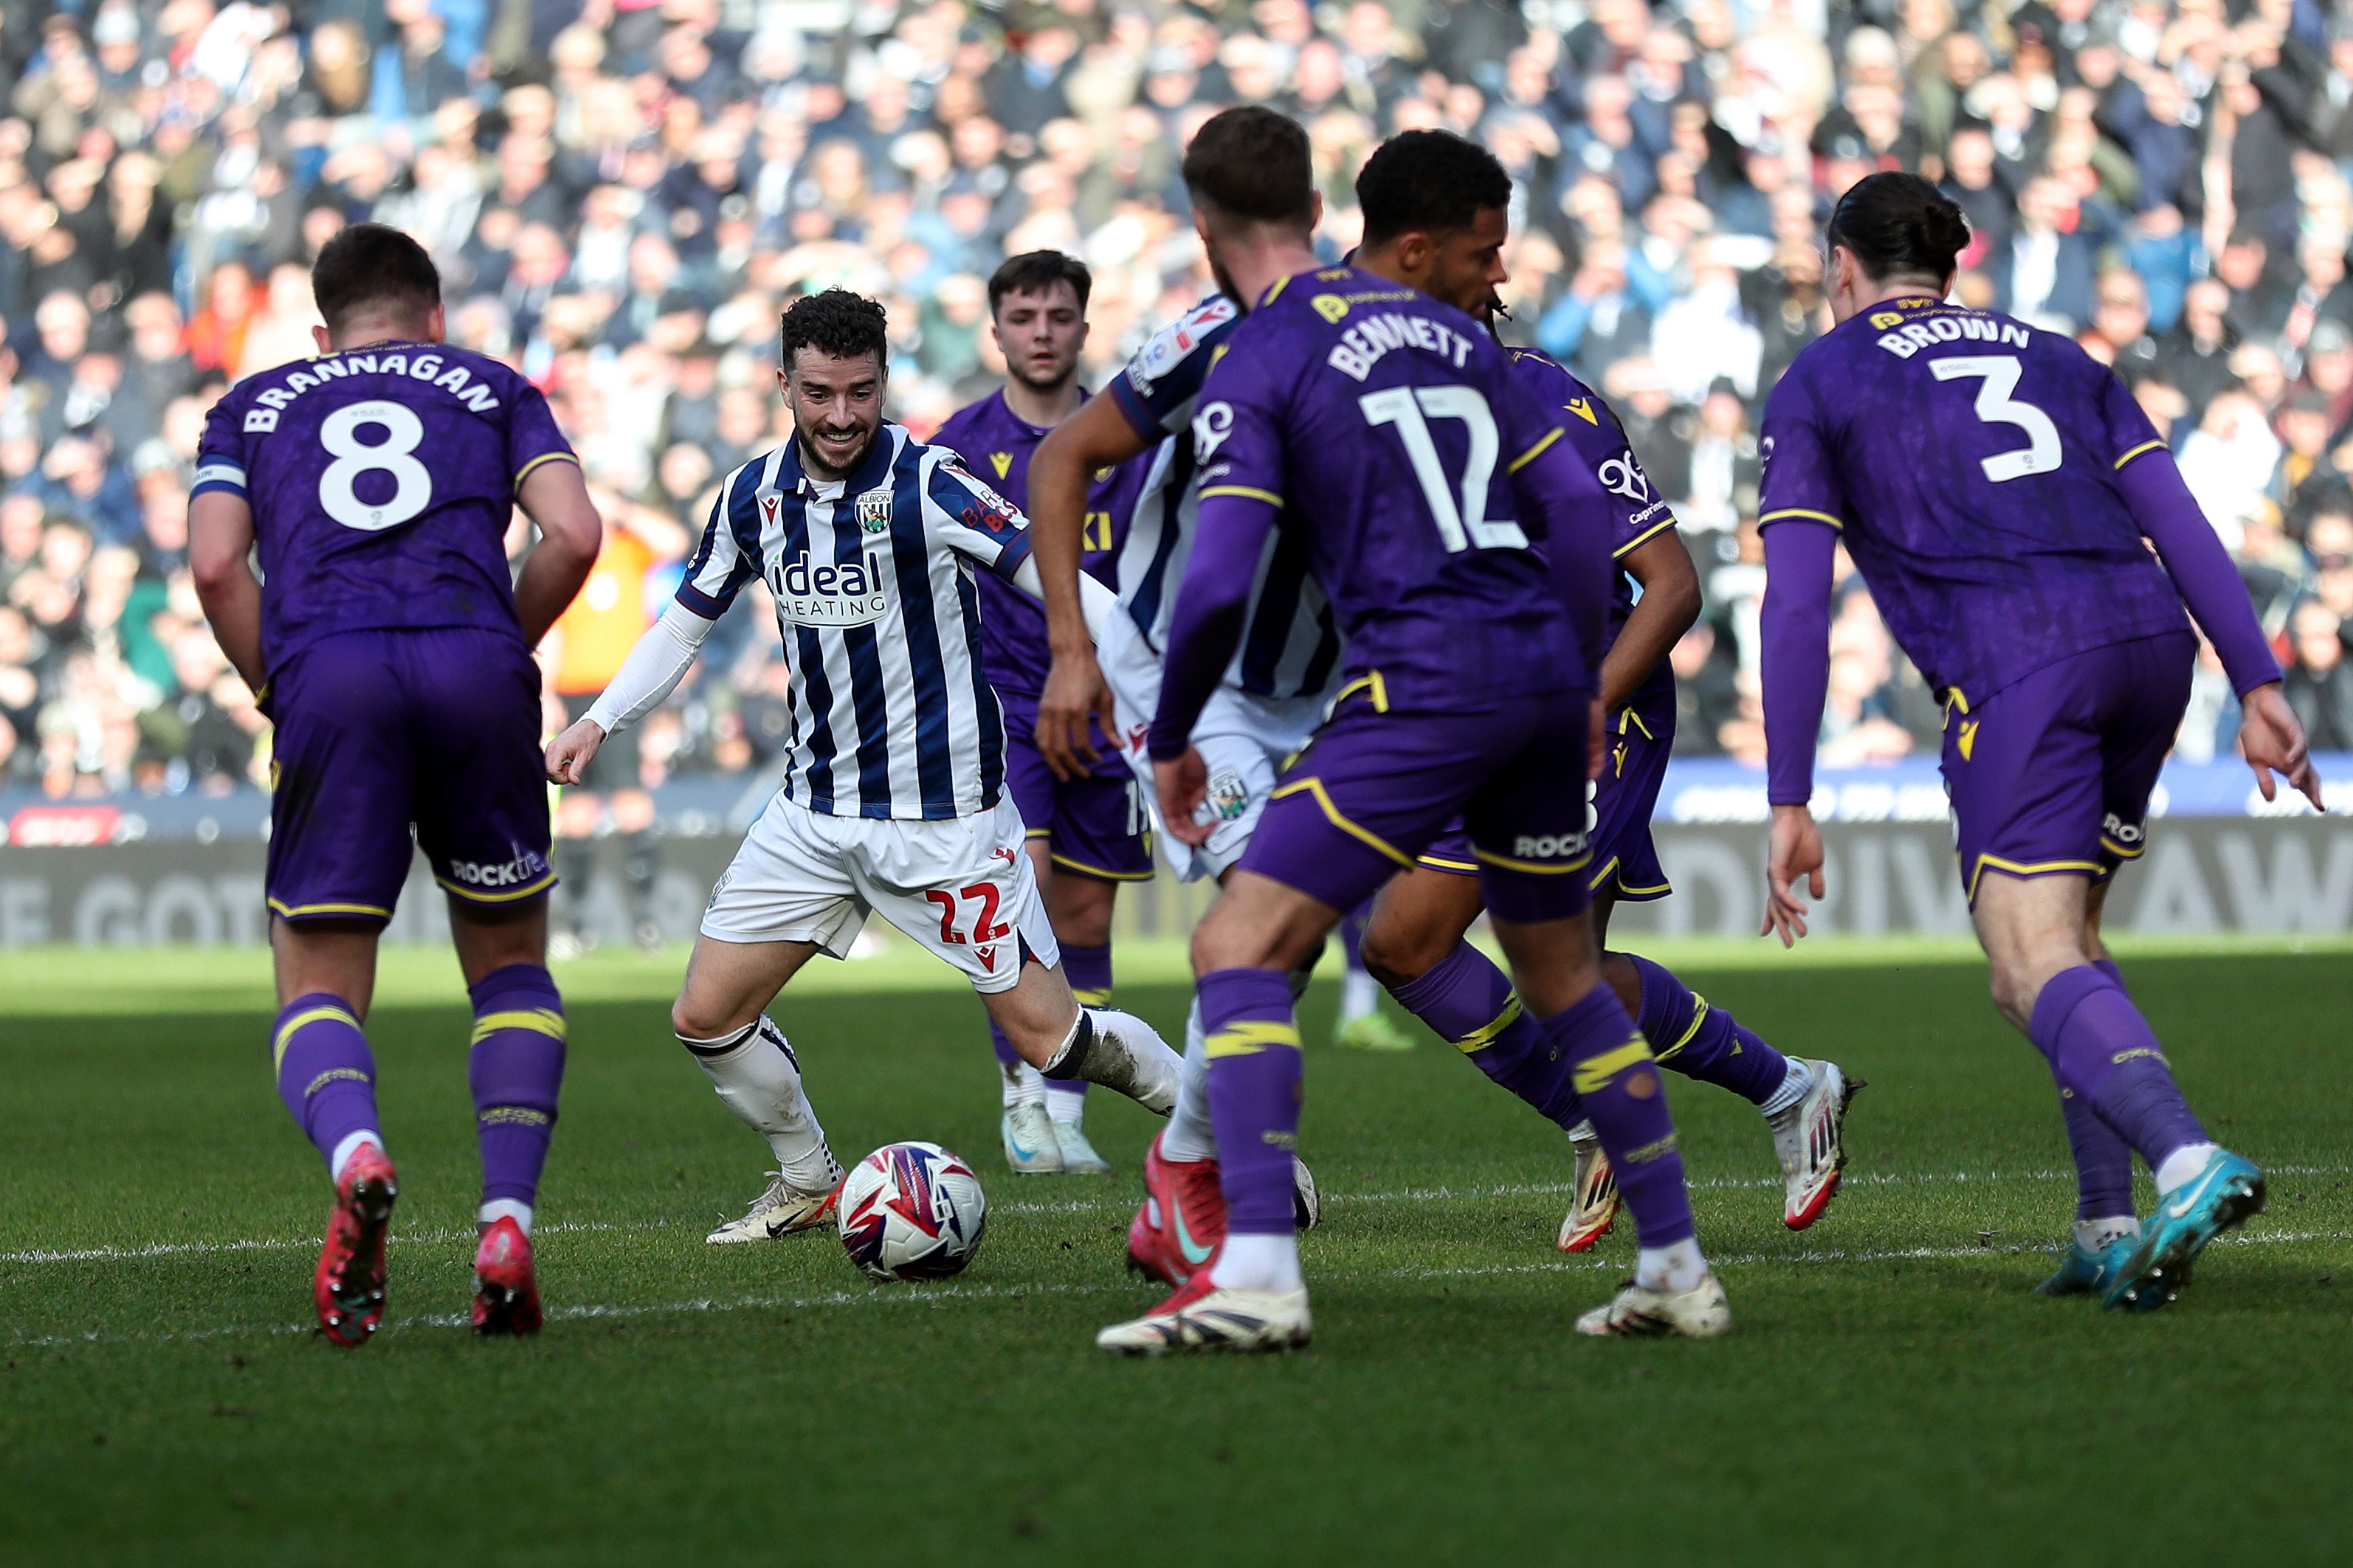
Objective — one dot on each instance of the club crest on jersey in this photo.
(874, 511)
(829, 593)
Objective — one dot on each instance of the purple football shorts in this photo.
(1375, 789)
(379, 731)
(1094, 826)
(2052, 774)
(1619, 806)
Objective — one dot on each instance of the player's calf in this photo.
(516, 1071)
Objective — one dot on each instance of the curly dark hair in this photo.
(836, 322)
(1432, 180)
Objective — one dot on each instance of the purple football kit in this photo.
(1975, 469)
(1464, 548)
(382, 482)
(1096, 826)
(1642, 732)
(1999, 491)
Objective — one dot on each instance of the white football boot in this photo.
(1079, 1156)
(1030, 1147)
(1201, 1317)
(1810, 1139)
(780, 1211)
(1698, 1313)
(1593, 1206)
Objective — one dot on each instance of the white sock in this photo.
(1674, 1269)
(349, 1147)
(2093, 1234)
(1190, 1135)
(1360, 996)
(1257, 1263)
(1024, 1085)
(1125, 1054)
(1795, 1085)
(498, 1209)
(2182, 1165)
(1583, 1133)
(758, 1079)
(1066, 1103)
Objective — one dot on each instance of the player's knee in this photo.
(1397, 956)
(692, 1018)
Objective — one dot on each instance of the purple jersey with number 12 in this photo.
(1970, 461)
(382, 482)
(1388, 426)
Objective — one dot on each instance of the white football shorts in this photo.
(1246, 740)
(962, 888)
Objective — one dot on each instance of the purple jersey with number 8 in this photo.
(381, 481)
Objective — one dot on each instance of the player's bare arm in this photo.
(1669, 605)
(220, 539)
(1098, 436)
(556, 499)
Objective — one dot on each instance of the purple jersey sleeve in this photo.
(220, 456)
(1800, 477)
(532, 436)
(1795, 630)
(2202, 570)
(1157, 389)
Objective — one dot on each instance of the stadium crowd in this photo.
(622, 194)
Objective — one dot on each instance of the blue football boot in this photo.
(2225, 1192)
(2084, 1272)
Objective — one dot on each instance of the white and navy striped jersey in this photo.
(876, 602)
(1290, 644)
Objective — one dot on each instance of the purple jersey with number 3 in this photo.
(1970, 461)
(382, 482)
(1389, 424)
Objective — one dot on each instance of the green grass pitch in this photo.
(1894, 1395)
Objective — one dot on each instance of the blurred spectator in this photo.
(2319, 686)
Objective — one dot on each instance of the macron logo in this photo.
(847, 594)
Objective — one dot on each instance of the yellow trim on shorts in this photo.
(1369, 682)
(538, 1020)
(2022, 869)
(2123, 852)
(544, 458)
(1454, 867)
(1248, 1037)
(1037, 833)
(1801, 512)
(1100, 873)
(1506, 863)
(312, 911)
(1533, 453)
(1315, 786)
(1246, 491)
(2136, 451)
(306, 1017)
(1642, 538)
(545, 881)
(1628, 716)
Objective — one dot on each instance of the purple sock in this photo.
(2103, 1160)
(1703, 1041)
(1618, 1082)
(1468, 1001)
(1006, 1055)
(516, 1067)
(1254, 1094)
(1088, 969)
(1352, 934)
(326, 1074)
(2104, 1054)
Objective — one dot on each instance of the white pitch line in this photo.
(937, 1296)
(1080, 1205)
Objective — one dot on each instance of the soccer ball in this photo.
(911, 1211)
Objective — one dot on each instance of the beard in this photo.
(1018, 371)
(817, 464)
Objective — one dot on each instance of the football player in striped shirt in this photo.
(1090, 832)
(893, 799)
